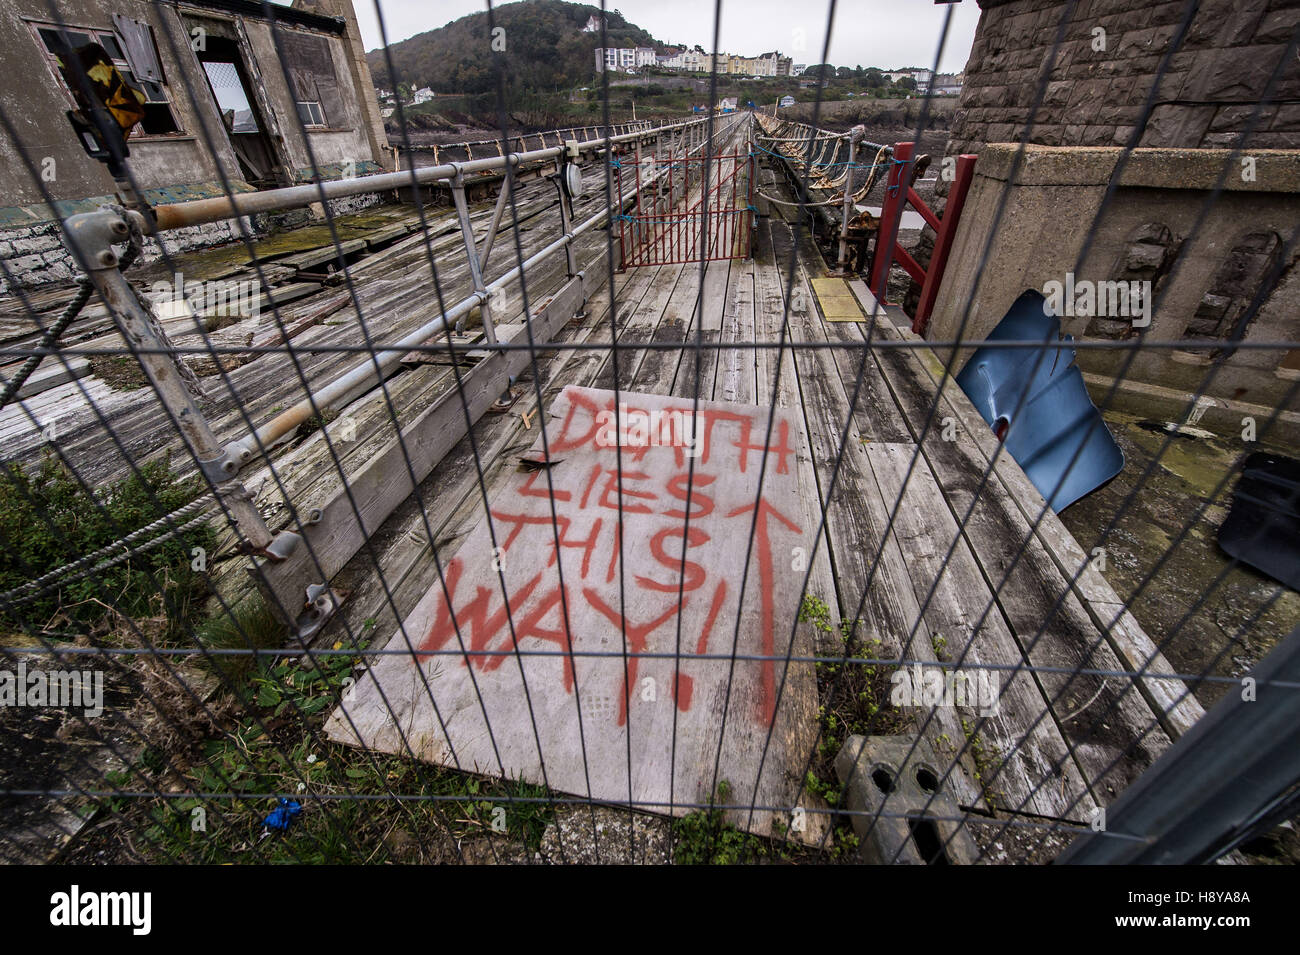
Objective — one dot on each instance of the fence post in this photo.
(855, 137)
(566, 220)
(943, 240)
(891, 214)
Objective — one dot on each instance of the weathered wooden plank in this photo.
(877, 416)
(958, 622)
(619, 710)
(1178, 708)
(1050, 625)
(858, 533)
(49, 374)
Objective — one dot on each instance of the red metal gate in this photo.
(676, 219)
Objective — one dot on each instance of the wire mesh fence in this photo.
(664, 534)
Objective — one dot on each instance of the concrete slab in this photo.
(910, 221)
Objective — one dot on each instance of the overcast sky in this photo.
(883, 33)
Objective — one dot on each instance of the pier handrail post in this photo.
(856, 135)
(471, 252)
(891, 214)
(90, 237)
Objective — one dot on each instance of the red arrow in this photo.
(767, 587)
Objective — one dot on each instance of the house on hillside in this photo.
(423, 95)
(625, 59)
(946, 84)
(594, 24)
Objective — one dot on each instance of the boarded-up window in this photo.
(311, 71)
(1230, 304)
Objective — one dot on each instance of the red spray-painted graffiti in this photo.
(589, 517)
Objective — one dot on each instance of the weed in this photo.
(48, 519)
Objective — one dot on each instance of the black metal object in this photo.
(1235, 772)
(1263, 527)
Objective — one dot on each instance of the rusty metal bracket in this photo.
(322, 603)
(221, 468)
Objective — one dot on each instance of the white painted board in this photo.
(518, 715)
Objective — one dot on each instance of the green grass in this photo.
(276, 746)
(47, 519)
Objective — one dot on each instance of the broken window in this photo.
(140, 71)
(232, 100)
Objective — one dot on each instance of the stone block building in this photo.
(230, 96)
(1160, 150)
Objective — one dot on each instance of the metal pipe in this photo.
(566, 223)
(182, 214)
(200, 211)
(471, 253)
(491, 236)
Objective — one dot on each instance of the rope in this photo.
(79, 569)
(55, 331)
(858, 196)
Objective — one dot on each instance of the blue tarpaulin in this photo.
(1036, 402)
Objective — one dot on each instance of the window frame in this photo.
(320, 110)
(97, 34)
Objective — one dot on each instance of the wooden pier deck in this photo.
(995, 592)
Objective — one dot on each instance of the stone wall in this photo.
(35, 255)
(1107, 63)
(1205, 264)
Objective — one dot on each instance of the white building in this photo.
(798, 68)
(922, 77)
(689, 60)
(947, 84)
(624, 59)
(423, 95)
(593, 24)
